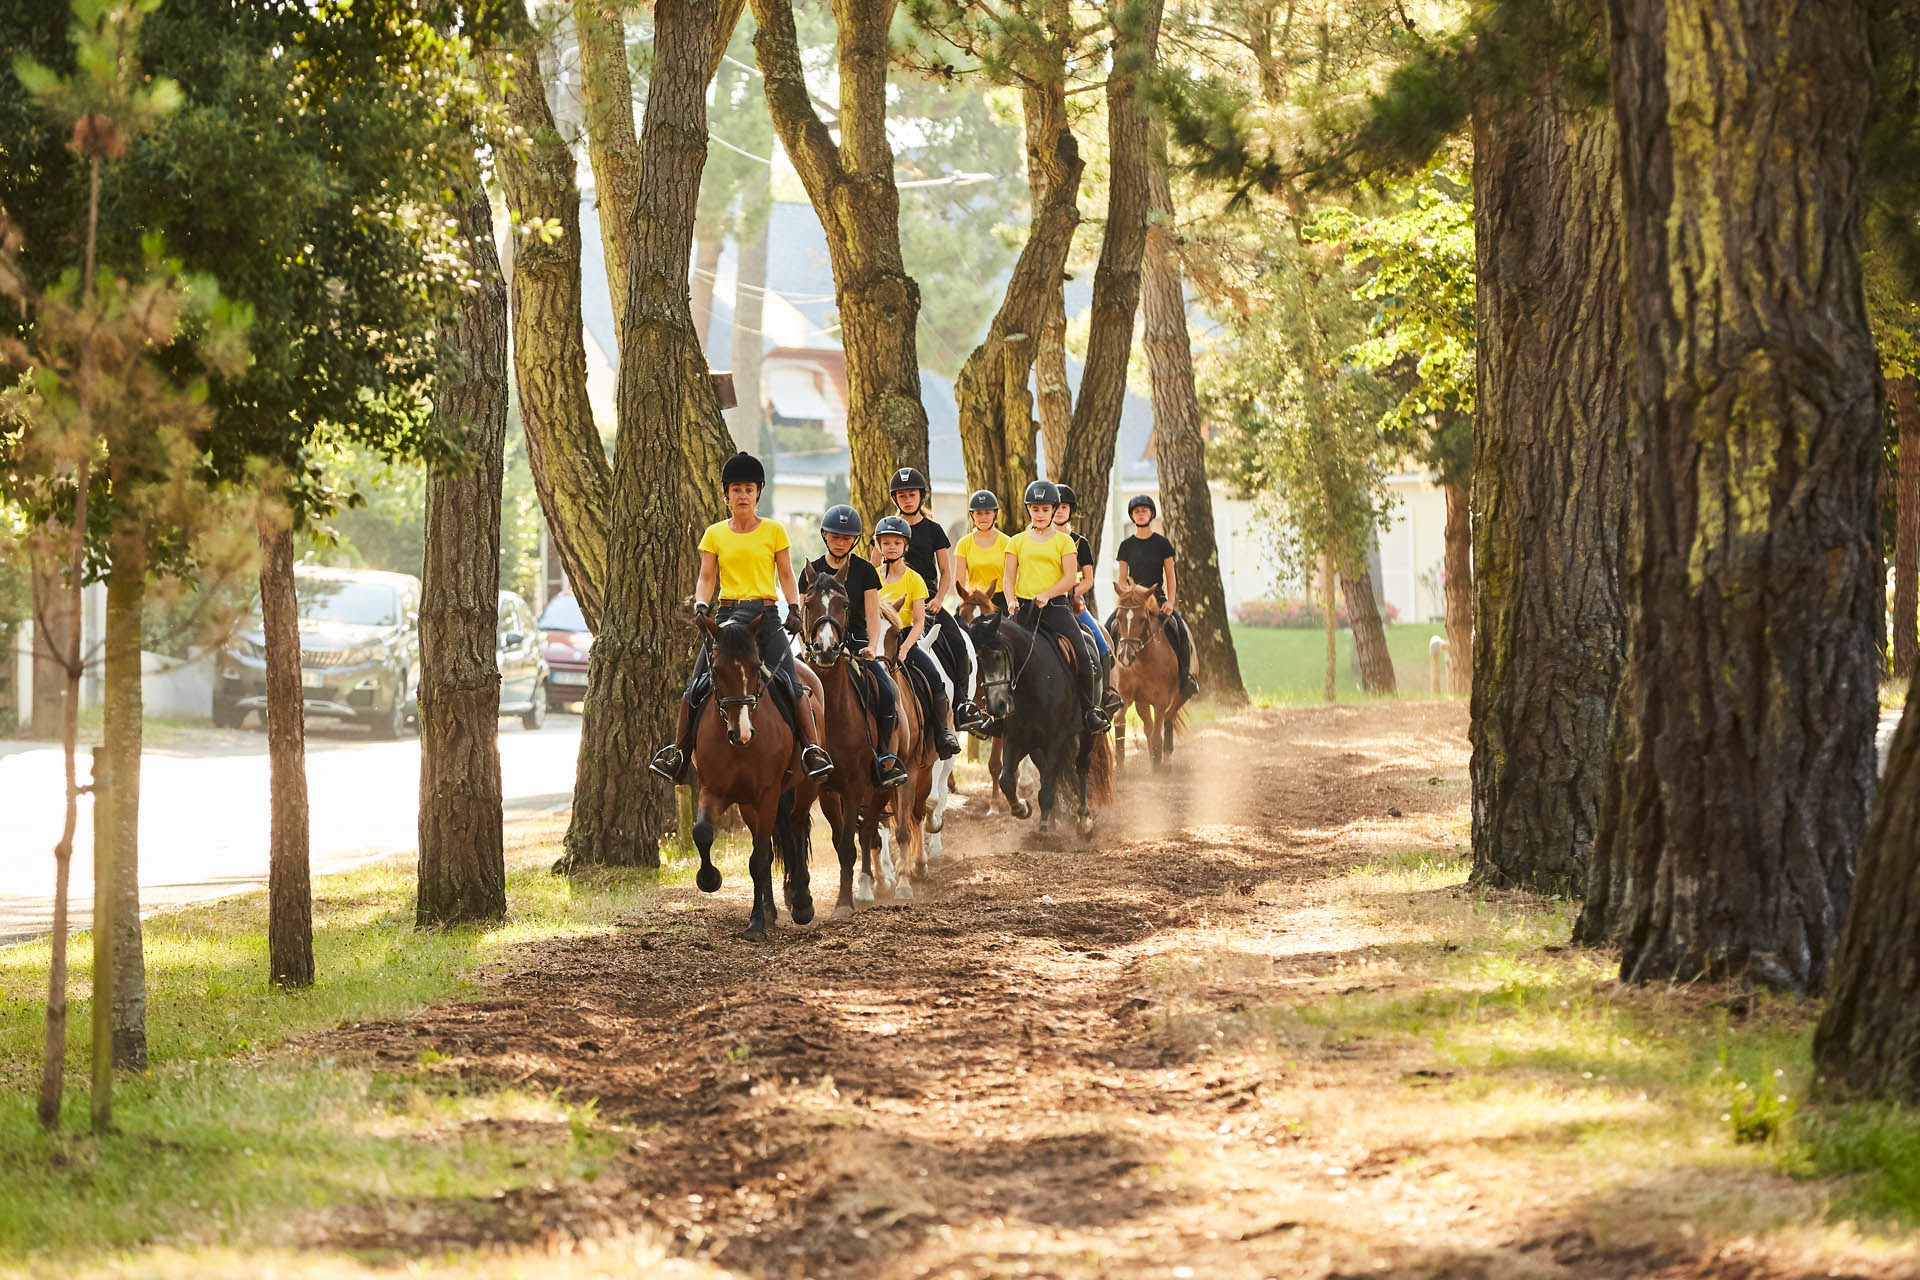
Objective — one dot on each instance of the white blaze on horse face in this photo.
(823, 635)
(742, 724)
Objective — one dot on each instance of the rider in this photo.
(838, 529)
(984, 551)
(745, 557)
(1146, 560)
(1081, 603)
(1040, 571)
(906, 591)
(930, 555)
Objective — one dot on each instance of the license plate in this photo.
(570, 677)
(313, 679)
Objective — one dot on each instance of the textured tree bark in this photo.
(996, 409)
(1088, 458)
(1906, 546)
(1549, 486)
(851, 187)
(1741, 770)
(1369, 632)
(1868, 1040)
(289, 890)
(1180, 453)
(1458, 568)
(124, 710)
(462, 869)
(666, 471)
(613, 150)
(1044, 109)
(570, 468)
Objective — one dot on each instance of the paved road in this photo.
(203, 811)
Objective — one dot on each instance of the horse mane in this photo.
(735, 641)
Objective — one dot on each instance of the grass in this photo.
(1287, 666)
(223, 1146)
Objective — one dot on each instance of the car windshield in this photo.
(563, 614)
(367, 604)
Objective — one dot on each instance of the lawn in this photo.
(1287, 666)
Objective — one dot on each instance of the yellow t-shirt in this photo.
(985, 565)
(1040, 561)
(746, 559)
(902, 594)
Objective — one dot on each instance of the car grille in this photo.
(326, 658)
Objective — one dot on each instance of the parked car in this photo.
(567, 643)
(523, 668)
(359, 651)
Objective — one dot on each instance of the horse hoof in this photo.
(843, 912)
(756, 931)
(935, 822)
(1021, 810)
(1084, 826)
(934, 848)
(802, 911)
(708, 878)
(863, 888)
(903, 892)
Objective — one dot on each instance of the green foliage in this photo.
(1877, 1146)
(1760, 1114)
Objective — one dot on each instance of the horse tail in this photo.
(1100, 772)
(795, 837)
(1180, 718)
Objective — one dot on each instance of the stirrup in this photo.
(887, 772)
(969, 717)
(815, 760)
(669, 762)
(1114, 703)
(1096, 721)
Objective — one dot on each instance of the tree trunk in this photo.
(1549, 487)
(851, 187)
(1906, 546)
(289, 892)
(1044, 110)
(126, 595)
(1868, 1041)
(996, 408)
(671, 431)
(53, 1054)
(1369, 632)
(1333, 623)
(569, 465)
(1742, 764)
(1458, 568)
(50, 641)
(613, 150)
(1180, 452)
(749, 318)
(463, 873)
(706, 265)
(1088, 459)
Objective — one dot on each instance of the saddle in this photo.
(916, 679)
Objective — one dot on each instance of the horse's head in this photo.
(975, 604)
(996, 665)
(736, 672)
(1135, 615)
(823, 618)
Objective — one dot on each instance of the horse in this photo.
(851, 800)
(1147, 674)
(972, 606)
(749, 757)
(1026, 684)
(903, 846)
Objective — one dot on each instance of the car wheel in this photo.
(536, 714)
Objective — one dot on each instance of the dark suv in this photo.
(359, 651)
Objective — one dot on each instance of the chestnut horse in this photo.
(1146, 673)
(852, 802)
(748, 756)
(903, 846)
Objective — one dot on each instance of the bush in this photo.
(1302, 615)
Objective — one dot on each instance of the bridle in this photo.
(1129, 649)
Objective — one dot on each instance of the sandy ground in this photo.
(1045, 1066)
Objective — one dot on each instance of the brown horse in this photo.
(748, 756)
(978, 604)
(851, 800)
(903, 858)
(1147, 674)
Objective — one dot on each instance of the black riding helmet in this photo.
(743, 468)
(841, 519)
(1042, 493)
(909, 478)
(1141, 500)
(895, 525)
(1066, 496)
(983, 500)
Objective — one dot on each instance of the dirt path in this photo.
(1064, 1063)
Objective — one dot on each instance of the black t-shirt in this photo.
(861, 578)
(928, 538)
(1146, 559)
(1083, 556)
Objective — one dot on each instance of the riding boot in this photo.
(1089, 672)
(886, 765)
(1112, 702)
(671, 761)
(813, 757)
(943, 740)
(1182, 641)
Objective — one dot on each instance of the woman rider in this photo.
(983, 553)
(745, 557)
(838, 529)
(1041, 570)
(1146, 559)
(905, 591)
(930, 555)
(1081, 602)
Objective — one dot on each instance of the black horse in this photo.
(1027, 688)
